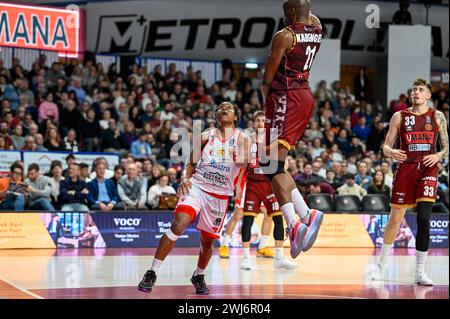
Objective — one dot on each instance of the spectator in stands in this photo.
(132, 190)
(318, 169)
(402, 16)
(39, 141)
(30, 145)
(323, 93)
(73, 191)
(141, 148)
(362, 178)
(77, 88)
(332, 180)
(378, 185)
(351, 188)
(3, 144)
(17, 138)
(108, 172)
(361, 84)
(70, 141)
(39, 189)
(388, 175)
(160, 188)
(15, 190)
(48, 109)
(103, 192)
(53, 140)
(11, 93)
(56, 176)
(362, 130)
(376, 137)
(90, 129)
(71, 117)
(118, 174)
(173, 178)
(306, 174)
(318, 186)
(399, 105)
(84, 172)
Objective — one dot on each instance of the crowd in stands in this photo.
(81, 107)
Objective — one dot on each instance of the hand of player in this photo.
(184, 187)
(431, 160)
(399, 155)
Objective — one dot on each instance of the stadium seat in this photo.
(347, 204)
(375, 203)
(322, 202)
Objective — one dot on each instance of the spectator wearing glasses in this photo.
(39, 188)
(13, 191)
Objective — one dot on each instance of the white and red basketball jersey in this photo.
(216, 172)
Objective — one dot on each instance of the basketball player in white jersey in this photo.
(208, 181)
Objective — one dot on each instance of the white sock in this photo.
(299, 203)
(421, 258)
(156, 264)
(385, 251)
(247, 252)
(226, 240)
(199, 271)
(262, 241)
(279, 253)
(289, 214)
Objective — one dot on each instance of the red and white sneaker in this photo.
(296, 236)
(315, 221)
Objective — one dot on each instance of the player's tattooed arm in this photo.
(443, 134)
(391, 137)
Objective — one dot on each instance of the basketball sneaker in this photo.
(422, 279)
(284, 263)
(199, 284)
(147, 283)
(224, 252)
(379, 272)
(246, 265)
(315, 220)
(296, 236)
(265, 252)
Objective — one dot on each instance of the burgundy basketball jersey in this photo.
(293, 72)
(418, 134)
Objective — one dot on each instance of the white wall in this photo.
(327, 63)
(409, 57)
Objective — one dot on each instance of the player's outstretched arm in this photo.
(282, 42)
(433, 159)
(391, 137)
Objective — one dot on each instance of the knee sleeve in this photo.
(278, 230)
(246, 230)
(280, 170)
(171, 235)
(423, 225)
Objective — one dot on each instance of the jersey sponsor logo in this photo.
(216, 213)
(429, 178)
(308, 37)
(215, 178)
(219, 167)
(419, 137)
(419, 147)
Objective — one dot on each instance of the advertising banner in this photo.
(145, 229)
(44, 28)
(242, 31)
(140, 229)
(23, 230)
(44, 159)
(6, 160)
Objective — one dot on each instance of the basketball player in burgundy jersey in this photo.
(289, 105)
(415, 180)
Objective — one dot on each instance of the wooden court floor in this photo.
(323, 273)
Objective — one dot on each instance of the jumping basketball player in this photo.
(205, 189)
(258, 189)
(289, 105)
(415, 180)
